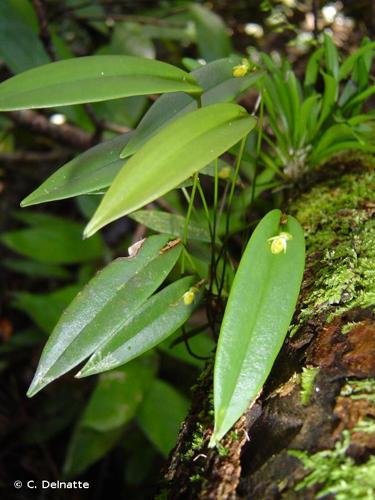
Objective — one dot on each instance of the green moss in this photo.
(359, 389)
(307, 383)
(234, 436)
(349, 327)
(365, 425)
(340, 242)
(195, 478)
(333, 472)
(222, 450)
(197, 442)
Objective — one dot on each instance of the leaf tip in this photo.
(87, 370)
(124, 154)
(36, 385)
(89, 230)
(29, 200)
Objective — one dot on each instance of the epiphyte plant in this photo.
(122, 312)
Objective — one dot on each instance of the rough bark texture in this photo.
(321, 392)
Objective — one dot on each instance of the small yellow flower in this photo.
(241, 69)
(225, 173)
(279, 242)
(189, 296)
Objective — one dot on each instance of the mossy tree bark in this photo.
(321, 392)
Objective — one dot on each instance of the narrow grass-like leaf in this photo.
(260, 307)
(91, 171)
(329, 97)
(331, 57)
(92, 79)
(101, 309)
(312, 68)
(295, 97)
(337, 133)
(173, 224)
(304, 125)
(170, 157)
(218, 84)
(339, 147)
(360, 98)
(158, 318)
(348, 64)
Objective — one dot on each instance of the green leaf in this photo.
(295, 96)
(337, 133)
(312, 68)
(173, 224)
(161, 414)
(212, 36)
(20, 46)
(260, 307)
(54, 241)
(91, 79)
(118, 394)
(130, 38)
(218, 85)
(331, 57)
(112, 405)
(279, 99)
(103, 307)
(45, 308)
(348, 64)
(86, 447)
(159, 317)
(91, 171)
(36, 269)
(170, 157)
(305, 126)
(361, 97)
(339, 147)
(201, 344)
(329, 98)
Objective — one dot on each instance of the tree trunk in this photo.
(320, 392)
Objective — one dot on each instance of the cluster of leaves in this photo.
(51, 248)
(308, 125)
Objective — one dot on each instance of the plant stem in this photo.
(258, 149)
(229, 205)
(205, 207)
(187, 220)
(213, 275)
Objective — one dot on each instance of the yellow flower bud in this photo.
(189, 296)
(279, 243)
